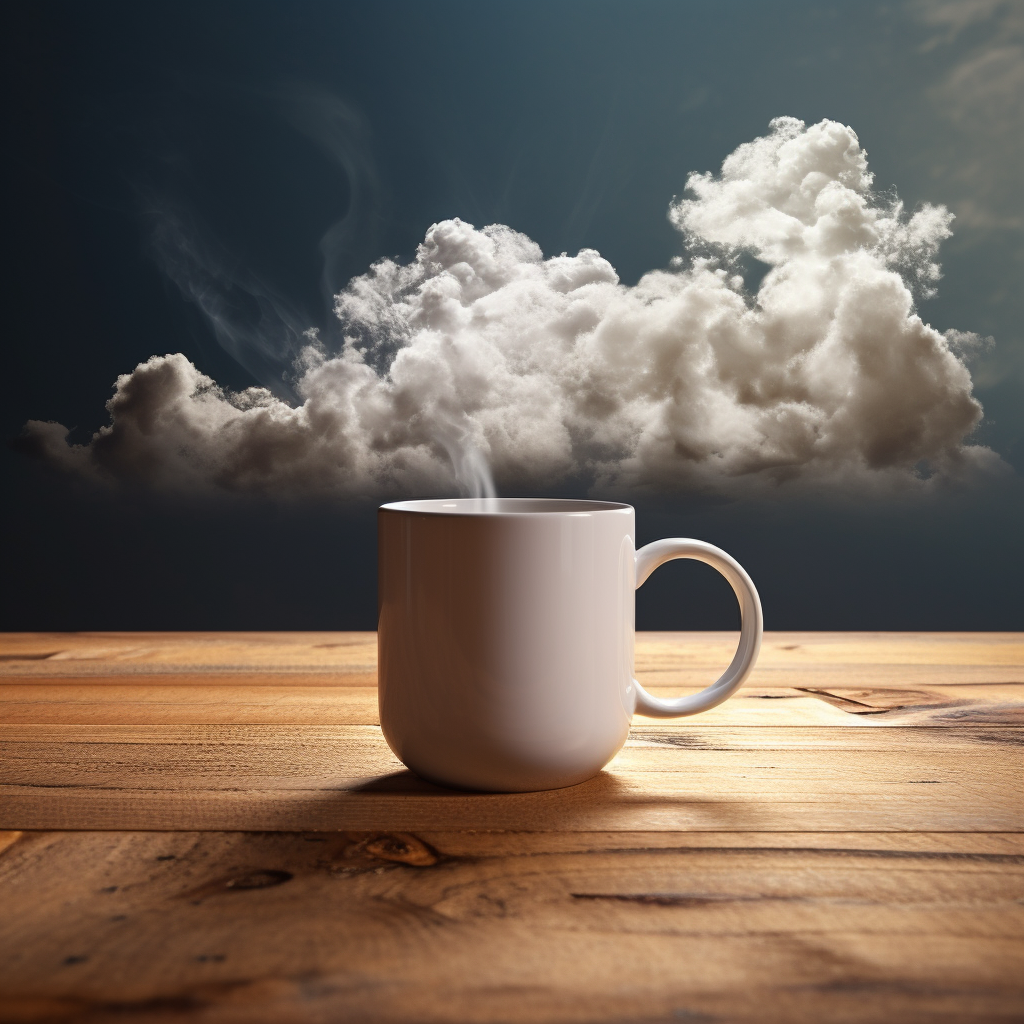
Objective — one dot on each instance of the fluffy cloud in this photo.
(482, 349)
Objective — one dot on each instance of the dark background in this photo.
(573, 122)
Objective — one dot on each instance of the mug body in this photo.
(505, 638)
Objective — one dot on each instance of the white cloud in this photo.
(552, 369)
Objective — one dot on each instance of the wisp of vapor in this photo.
(481, 351)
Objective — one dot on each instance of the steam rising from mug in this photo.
(482, 352)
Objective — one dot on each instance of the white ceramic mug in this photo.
(505, 637)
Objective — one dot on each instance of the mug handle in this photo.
(648, 558)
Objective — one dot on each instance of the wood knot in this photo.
(399, 848)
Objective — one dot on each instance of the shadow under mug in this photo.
(505, 637)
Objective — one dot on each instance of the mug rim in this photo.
(499, 507)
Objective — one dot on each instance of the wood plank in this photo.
(677, 679)
(116, 702)
(280, 650)
(104, 674)
(454, 928)
(113, 703)
(260, 649)
(676, 660)
(319, 777)
(112, 654)
(958, 846)
(882, 675)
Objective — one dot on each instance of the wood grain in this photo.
(842, 841)
(134, 702)
(668, 659)
(279, 731)
(454, 927)
(345, 777)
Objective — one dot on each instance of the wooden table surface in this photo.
(210, 827)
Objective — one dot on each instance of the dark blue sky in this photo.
(259, 125)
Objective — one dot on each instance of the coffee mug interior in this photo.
(506, 506)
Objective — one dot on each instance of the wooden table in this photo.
(210, 827)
